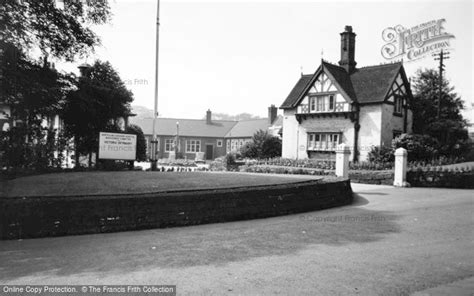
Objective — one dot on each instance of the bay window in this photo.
(323, 141)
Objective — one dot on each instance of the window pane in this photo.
(320, 103)
(331, 102)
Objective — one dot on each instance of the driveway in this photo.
(391, 241)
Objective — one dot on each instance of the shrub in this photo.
(263, 145)
(177, 162)
(224, 163)
(381, 154)
(229, 159)
(303, 163)
(113, 165)
(419, 147)
(141, 141)
(31, 148)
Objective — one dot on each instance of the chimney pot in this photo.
(348, 50)
(84, 69)
(209, 117)
(272, 114)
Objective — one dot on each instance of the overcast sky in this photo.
(238, 56)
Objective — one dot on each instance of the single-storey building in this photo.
(214, 138)
(361, 107)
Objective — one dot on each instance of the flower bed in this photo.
(176, 162)
(273, 169)
(297, 163)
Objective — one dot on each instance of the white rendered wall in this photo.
(370, 121)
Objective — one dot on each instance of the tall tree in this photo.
(31, 32)
(100, 99)
(57, 28)
(141, 141)
(450, 129)
(34, 92)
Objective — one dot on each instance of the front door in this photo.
(209, 152)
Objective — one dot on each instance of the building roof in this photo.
(199, 127)
(247, 128)
(342, 79)
(187, 127)
(297, 91)
(364, 85)
(371, 84)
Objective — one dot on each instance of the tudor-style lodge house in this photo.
(360, 107)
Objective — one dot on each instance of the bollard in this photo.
(401, 156)
(342, 160)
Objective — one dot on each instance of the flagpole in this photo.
(155, 113)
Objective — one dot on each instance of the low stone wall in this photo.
(384, 177)
(444, 179)
(31, 217)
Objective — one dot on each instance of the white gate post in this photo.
(342, 161)
(401, 156)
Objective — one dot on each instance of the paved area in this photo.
(460, 288)
(391, 241)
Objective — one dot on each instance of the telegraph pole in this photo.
(440, 57)
(155, 110)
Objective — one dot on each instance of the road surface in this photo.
(391, 241)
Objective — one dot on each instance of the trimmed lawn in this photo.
(93, 183)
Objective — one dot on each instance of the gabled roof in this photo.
(187, 127)
(297, 91)
(371, 84)
(341, 79)
(246, 128)
(364, 85)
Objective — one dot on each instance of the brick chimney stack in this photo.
(348, 50)
(272, 114)
(84, 69)
(208, 117)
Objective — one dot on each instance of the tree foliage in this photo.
(57, 28)
(29, 85)
(34, 93)
(31, 88)
(263, 145)
(100, 100)
(381, 154)
(141, 141)
(35, 147)
(450, 129)
(419, 147)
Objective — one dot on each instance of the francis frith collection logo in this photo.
(416, 42)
